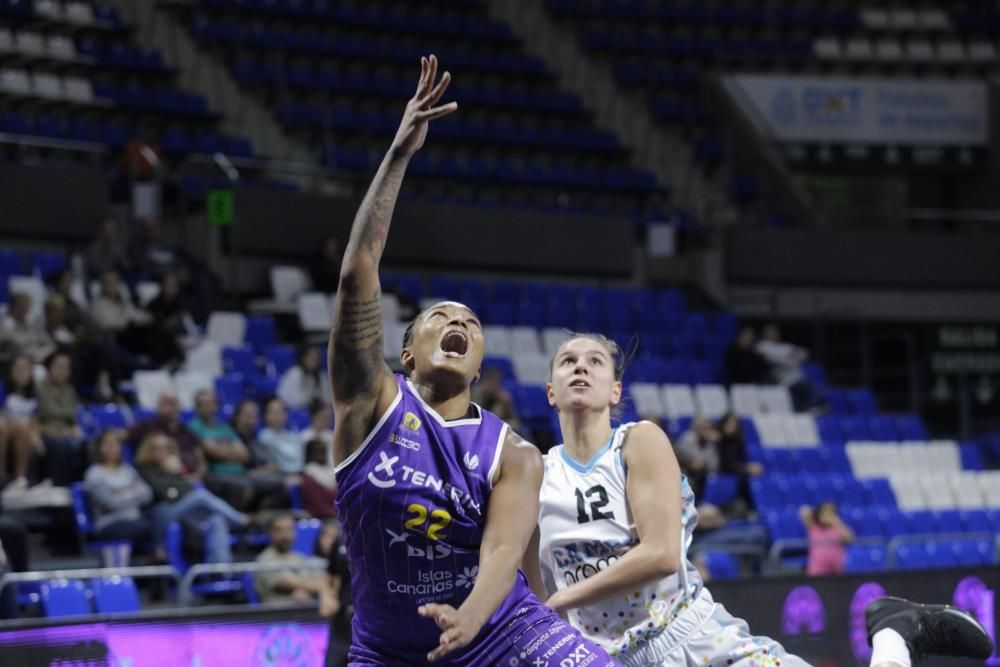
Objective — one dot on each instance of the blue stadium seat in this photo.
(814, 373)
(971, 457)
(911, 557)
(298, 419)
(109, 415)
(779, 460)
(62, 597)
(11, 264)
(279, 358)
(894, 522)
(750, 435)
(785, 525)
(855, 428)
(922, 522)
(115, 595)
(721, 565)
(882, 428)
(819, 487)
(971, 553)
(863, 521)
(835, 459)
(306, 534)
(829, 429)
(44, 264)
(940, 554)
(976, 521)
(862, 401)
(240, 360)
(880, 492)
(836, 400)
(862, 558)
(720, 490)
(949, 521)
(911, 427)
(766, 495)
(229, 388)
(260, 332)
(810, 460)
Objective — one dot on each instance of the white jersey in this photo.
(585, 525)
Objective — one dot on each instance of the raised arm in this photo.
(361, 383)
(512, 517)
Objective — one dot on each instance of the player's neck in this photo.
(449, 402)
(584, 433)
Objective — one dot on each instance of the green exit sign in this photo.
(220, 208)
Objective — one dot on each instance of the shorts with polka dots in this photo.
(706, 635)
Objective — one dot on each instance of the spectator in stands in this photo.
(55, 325)
(490, 395)
(19, 335)
(226, 455)
(698, 452)
(827, 536)
(74, 316)
(21, 435)
(116, 492)
(132, 327)
(295, 583)
(167, 421)
(168, 309)
(151, 258)
(61, 435)
(319, 484)
(142, 160)
(732, 449)
(785, 361)
(177, 498)
(278, 445)
(325, 267)
(744, 365)
(269, 482)
(320, 426)
(106, 252)
(338, 607)
(306, 381)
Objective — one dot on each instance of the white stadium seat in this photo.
(982, 52)
(188, 384)
(647, 399)
(678, 401)
(744, 399)
(951, 51)
(531, 368)
(525, 339)
(712, 400)
(79, 12)
(774, 399)
(29, 43)
(288, 282)
(205, 357)
(907, 492)
(771, 429)
(919, 51)
(33, 287)
(15, 81)
(227, 328)
(858, 49)
(499, 342)
(828, 48)
(46, 85)
(6, 40)
(149, 385)
(390, 308)
(552, 338)
(800, 429)
(933, 19)
(888, 50)
(78, 89)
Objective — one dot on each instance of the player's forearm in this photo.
(496, 576)
(371, 224)
(643, 565)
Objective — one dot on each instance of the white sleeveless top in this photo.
(586, 524)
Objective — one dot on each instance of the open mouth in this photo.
(455, 343)
(579, 383)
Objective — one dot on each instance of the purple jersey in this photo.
(412, 500)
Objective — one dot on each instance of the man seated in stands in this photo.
(785, 360)
(295, 583)
(167, 420)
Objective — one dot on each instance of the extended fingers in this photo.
(428, 73)
(437, 91)
(423, 75)
(437, 612)
(449, 642)
(437, 112)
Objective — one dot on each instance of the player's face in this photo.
(447, 338)
(583, 377)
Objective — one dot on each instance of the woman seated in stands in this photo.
(116, 492)
(827, 537)
(319, 485)
(62, 436)
(276, 443)
(268, 480)
(132, 327)
(19, 433)
(305, 382)
(177, 498)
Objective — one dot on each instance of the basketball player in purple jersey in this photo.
(438, 498)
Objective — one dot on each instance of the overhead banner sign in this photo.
(811, 109)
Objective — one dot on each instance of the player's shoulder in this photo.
(519, 456)
(643, 435)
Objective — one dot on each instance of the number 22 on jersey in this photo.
(418, 522)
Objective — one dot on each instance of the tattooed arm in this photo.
(362, 383)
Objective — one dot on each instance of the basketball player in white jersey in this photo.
(616, 518)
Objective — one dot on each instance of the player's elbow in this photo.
(665, 564)
(356, 268)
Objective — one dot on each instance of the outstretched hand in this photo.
(420, 109)
(458, 629)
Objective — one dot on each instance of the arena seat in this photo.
(115, 595)
(65, 597)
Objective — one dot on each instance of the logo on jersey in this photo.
(411, 422)
(467, 578)
(428, 551)
(384, 469)
(471, 461)
(406, 443)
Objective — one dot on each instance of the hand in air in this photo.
(458, 629)
(420, 109)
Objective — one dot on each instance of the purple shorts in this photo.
(535, 637)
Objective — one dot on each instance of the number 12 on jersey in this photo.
(598, 498)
